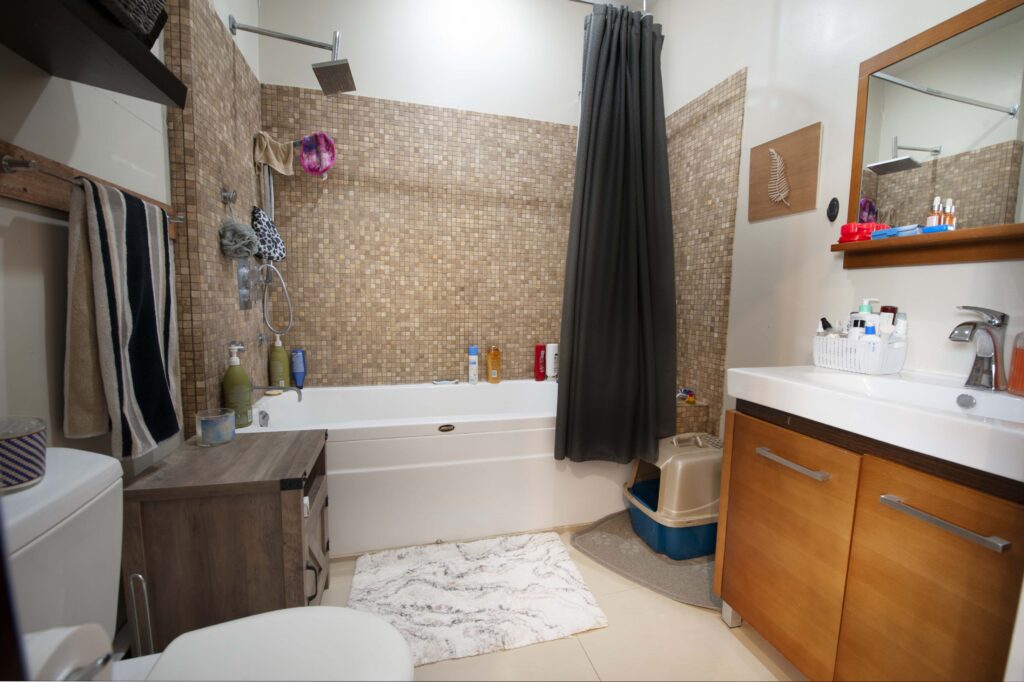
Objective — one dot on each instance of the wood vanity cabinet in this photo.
(923, 599)
(856, 567)
(789, 521)
(225, 532)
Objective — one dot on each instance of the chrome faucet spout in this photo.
(988, 371)
(298, 391)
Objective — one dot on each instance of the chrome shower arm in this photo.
(333, 47)
(1010, 111)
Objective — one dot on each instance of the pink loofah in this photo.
(317, 153)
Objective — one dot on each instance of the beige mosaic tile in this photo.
(983, 183)
(704, 138)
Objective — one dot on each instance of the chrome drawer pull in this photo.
(820, 476)
(996, 544)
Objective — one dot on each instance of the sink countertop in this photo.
(913, 410)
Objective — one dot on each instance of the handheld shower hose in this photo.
(266, 278)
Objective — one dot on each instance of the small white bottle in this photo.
(474, 364)
(551, 361)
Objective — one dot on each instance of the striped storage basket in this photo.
(22, 452)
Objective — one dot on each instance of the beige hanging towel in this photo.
(277, 155)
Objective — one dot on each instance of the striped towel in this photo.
(121, 362)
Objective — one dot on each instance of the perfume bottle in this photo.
(493, 365)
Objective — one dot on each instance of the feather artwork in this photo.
(778, 186)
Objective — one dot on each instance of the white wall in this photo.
(989, 68)
(119, 138)
(803, 58)
(245, 12)
(512, 57)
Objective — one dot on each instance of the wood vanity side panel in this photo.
(922, 603)
(723, 503)
(292, 548)
(210, 560)
(788, 541)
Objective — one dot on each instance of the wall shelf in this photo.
(75, 40)
(970, 245)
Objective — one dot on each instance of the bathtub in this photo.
(413, 464)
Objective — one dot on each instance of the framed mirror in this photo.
(942, 115)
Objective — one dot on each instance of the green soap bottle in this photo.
(278, 363)
(238, 388)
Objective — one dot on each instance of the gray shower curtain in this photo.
(617, 354)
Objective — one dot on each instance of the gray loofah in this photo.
(238, 240)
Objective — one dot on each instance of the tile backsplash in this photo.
(983, 183)
(704, 138)
(210, 145)
(435, 229)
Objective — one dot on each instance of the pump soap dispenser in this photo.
(278, 364)
(237, 387)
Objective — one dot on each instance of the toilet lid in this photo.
(305, 643)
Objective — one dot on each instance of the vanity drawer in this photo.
(931, 594)
(790, 512)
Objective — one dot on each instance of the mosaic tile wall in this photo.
(210, 143)
(436, 229)
(983, 183)
(704, 138)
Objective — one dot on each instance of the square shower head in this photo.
(335, 76)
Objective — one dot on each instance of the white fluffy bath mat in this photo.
(463, 599)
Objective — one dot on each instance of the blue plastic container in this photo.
(676, 543)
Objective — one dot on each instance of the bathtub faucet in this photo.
(298, 391)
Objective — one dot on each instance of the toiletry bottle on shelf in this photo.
(298, 367)
(551, 362)
(950, 214)
(935, 217)
(493, 365)
(539, 361)
(237, 388)
(278, 363)
(1015, 385)
(900, 326)
(474, 364)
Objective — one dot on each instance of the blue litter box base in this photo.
(676, 543)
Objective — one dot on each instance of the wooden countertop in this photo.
(275, 460)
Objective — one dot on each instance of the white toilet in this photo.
(64, 549)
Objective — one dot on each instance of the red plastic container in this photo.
(539, 360)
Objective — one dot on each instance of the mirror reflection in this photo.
(946, 123)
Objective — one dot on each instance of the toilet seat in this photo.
(304, 643)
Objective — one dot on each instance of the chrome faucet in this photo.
(298, 391)
(988, 371)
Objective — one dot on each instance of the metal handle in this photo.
(89, 670)
(820, 476)
(996, 544)
(316, 582)
(991, 317)
(135, 614)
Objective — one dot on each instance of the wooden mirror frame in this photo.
(976, 244)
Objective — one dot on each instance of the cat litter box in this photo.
(673, 504)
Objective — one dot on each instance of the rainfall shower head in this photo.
(335, 76)
(900, 163)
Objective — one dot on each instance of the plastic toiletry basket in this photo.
(853, 355)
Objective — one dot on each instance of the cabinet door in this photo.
(790, 517)
(933, 588)
(315, 543)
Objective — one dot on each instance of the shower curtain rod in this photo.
(589, 2)
(1011, 111)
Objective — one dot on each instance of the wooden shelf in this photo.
(971, 245)
(75, 40)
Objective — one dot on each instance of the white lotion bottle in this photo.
(474, 364)
(551, 361)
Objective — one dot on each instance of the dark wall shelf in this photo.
(970, 245)
(75, 40)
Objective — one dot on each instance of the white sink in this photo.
(912, 410)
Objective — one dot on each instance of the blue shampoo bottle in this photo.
(298, 367)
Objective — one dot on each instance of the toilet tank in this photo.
(63, 539)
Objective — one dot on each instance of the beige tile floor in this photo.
(649, 637)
